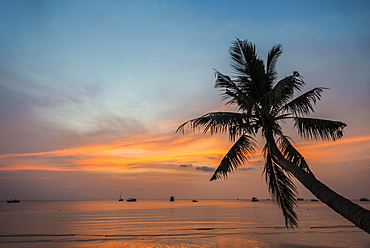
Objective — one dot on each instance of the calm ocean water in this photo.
(160, 223)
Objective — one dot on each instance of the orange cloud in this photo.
(347, 149)
(150, 152)
(122, 153)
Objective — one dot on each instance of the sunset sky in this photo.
(92, 92)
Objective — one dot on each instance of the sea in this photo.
(182, 223)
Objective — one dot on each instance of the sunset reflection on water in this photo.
(155, 223)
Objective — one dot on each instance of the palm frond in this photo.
(281, 188)
(303, 104)
(240, 100)
(292, 154)
(272, 58)
(242, 53)
(283, 91)
(248, 67)
(274, 127)
(250, 128)
(214, 122)
(233, 94)
(239, 153)
(316, 129)
(224, 81)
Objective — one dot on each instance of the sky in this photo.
(92, 92)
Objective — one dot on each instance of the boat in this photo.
(120, 197)
(255, 199)
(314, 200)
(364, 199)
(131, 199)
(13, 201)
(300, 199)
(172, 198)
(194, 200)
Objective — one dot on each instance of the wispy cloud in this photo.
(124, 153)
(205, 168)
(247, 168)
(156, 150)
(186, 165)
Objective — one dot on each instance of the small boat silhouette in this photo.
(120, 197)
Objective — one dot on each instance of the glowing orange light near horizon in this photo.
(139, 151)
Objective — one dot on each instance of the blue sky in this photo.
(75, 74)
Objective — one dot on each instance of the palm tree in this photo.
(263, 103)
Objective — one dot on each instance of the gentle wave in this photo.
(209, 224)
(337, 226)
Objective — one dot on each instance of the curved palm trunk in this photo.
(349, 210)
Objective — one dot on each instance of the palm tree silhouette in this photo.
(263, 103)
